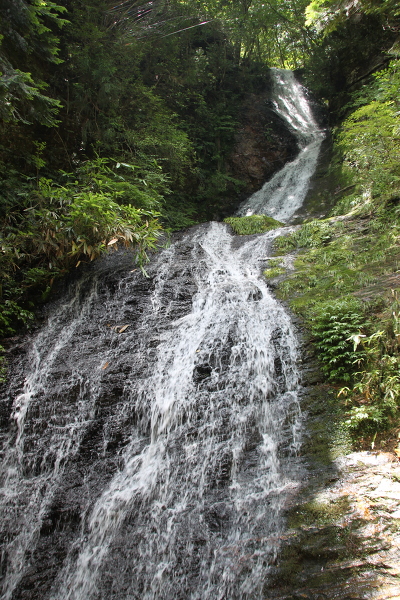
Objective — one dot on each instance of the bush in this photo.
(375, 396)
(333, 324)
(58, 226)
(12, 317)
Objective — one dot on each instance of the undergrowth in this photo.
(343, 287)
(60, 223)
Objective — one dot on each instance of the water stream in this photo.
(284, 193)
(154, 438)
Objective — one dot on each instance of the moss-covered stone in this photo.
(252, 224)
(318, 512)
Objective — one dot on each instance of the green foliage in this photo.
(374, 399)
(26, 38)
(60, 225)
(356, 343)
(252, 224)
(84, 215)
(174, 101)
(357, 252)
(370, 137)
(13, 317)
(274, 32)
(273, 272)
(329, 15)
(275, 268)
(21, 99)
(310, 235)
(179, 214)
(349, 43)
(332, 325)
(142, 185)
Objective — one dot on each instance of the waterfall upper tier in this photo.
(284, 193)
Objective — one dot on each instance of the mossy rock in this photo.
(274, 272)
(252, 224)
(318, 513)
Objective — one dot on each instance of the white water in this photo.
(31, 469)
(284, 193)
(197, 431)
(155, 464)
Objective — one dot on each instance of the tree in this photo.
(28, 44)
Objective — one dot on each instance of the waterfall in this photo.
(155, 436)
(284, 193)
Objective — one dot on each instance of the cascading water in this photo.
(285, 192)
(153, 442)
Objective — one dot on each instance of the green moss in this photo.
(327, 437)
(304, 558)
(252, 224)
(318, 445)
(318, 513)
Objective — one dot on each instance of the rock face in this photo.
(345, 539)
(263, 144)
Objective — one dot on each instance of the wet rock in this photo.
(263, 143)
(349, 552)
(100, 396)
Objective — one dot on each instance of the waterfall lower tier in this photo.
(155, 436)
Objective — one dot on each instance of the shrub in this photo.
(57, 226)
(333, 324)
(375, 396)
(12, 317)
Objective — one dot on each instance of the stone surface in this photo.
(263, 144)
(343, 536)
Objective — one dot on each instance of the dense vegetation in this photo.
(117, 121)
